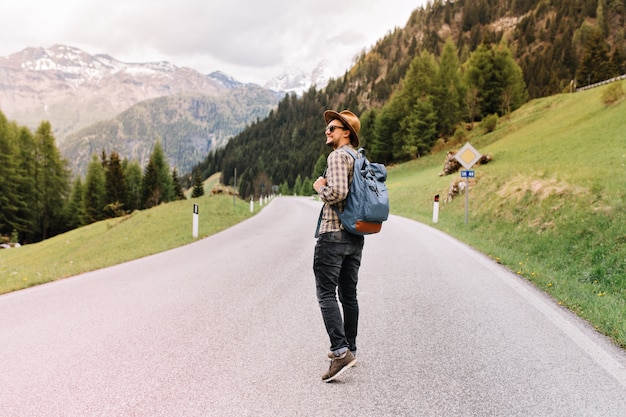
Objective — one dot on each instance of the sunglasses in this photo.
(332, 128)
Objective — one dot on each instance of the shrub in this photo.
(460, 134)
(489, 123)
(614, 93)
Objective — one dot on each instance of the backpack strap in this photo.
(319, 222)
(361, 151)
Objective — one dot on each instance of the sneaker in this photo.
(338, 366)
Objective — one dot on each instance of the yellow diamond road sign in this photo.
(467, 156)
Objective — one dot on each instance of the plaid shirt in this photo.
(334, 193)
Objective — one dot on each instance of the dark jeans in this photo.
(336, 266)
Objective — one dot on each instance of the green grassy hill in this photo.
(113, 241)
(551, 206)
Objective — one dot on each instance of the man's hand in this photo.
(319, 183)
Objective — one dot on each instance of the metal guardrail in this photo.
(605, 82)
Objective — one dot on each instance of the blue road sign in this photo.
(467, 173)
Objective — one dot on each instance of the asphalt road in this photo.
(229, 326)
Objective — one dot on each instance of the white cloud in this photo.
(251, 40)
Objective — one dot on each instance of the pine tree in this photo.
(494, 81)
(320, 166)
(115, 185)
(418, 87)
(479, 74)
(284, 188)
(198, 186)
(381, 143)
(307, 187)
(133, 178)
(601, 16)
(75, 209)
(178, 189)
(509, 74)
(52, 180)
(94, 196)
(422, 127)
(10, 197)
(368, 124)
(157, 182)
(595, 65)
(27, 185)
(151, 193)
(297, 187)
(448, 97)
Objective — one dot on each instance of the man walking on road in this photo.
(337, 255)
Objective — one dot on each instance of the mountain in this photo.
(225, 80)
(298, 81)
(73, 89)
(90, 99)
(187, 125)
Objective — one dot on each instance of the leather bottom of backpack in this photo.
(368, 227)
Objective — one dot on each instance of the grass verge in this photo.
(113, 241)
(551, 206)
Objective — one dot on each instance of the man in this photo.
(337, 255)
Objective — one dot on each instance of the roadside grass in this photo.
(113, 241)
(551, 206)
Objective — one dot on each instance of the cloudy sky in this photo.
(252, 40)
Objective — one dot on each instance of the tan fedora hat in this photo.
(349, 120)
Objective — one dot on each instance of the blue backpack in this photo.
(367, 204)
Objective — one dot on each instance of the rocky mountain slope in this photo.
(187, 125)
(73, 89)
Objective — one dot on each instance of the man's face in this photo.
(335, 132)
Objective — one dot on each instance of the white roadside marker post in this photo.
(436, 209)
(194, 231)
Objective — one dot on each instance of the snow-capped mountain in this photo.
(96, 103)
(298, 81)
(73, 89)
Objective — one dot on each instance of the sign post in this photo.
(467, 157)
(436, 209)
(194, 231)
